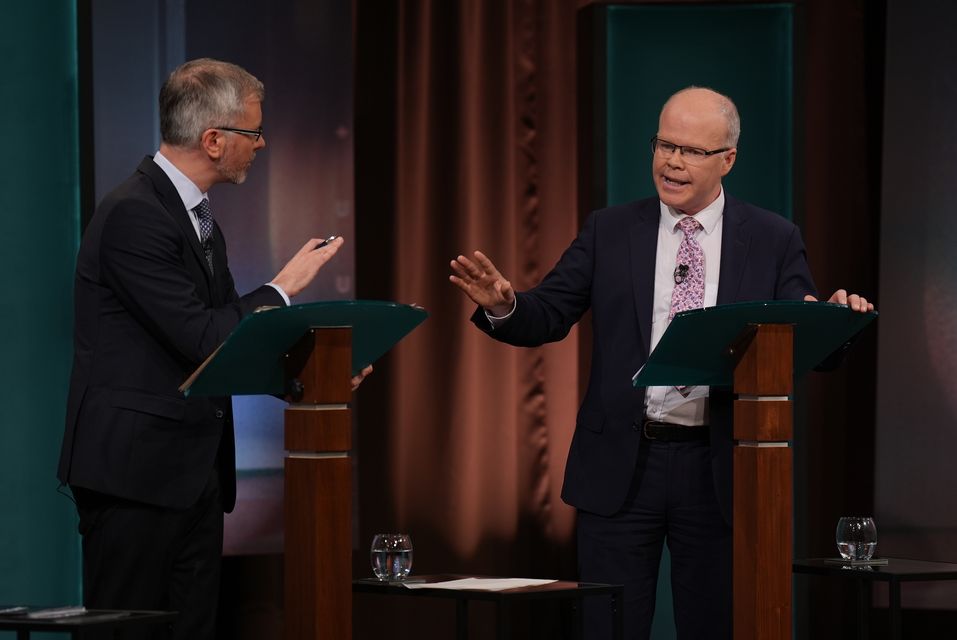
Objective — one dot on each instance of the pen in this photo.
(325, 242)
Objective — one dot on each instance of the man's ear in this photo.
(727, 160)
(213, 142)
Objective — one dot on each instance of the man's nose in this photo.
(676, 160)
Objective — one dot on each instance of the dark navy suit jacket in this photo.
(610, 269)
(147, 312)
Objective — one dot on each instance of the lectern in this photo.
(307, 354)
(758, 349)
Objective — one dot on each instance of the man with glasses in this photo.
(153, 471)
(653, 465)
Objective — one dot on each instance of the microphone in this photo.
(681, 272)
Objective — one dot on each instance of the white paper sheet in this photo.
(480, 584)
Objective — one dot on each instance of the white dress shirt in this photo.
(690, 405)
(666, 404)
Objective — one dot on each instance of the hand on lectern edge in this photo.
(841, 296)
(357, 380)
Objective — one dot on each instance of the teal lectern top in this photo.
(698, 346)
(250, 361)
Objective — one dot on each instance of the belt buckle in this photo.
(644, 430)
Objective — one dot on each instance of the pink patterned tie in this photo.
(689, 270)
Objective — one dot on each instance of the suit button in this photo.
(219, 413)
(635, 426)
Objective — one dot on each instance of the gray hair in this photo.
(726, 108)
(203, 94)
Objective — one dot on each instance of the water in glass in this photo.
(856, 537)
(391, 555)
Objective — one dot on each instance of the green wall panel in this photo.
(39, 220)
(743, 51)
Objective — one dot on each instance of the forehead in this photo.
(252, 110)
(692, 119)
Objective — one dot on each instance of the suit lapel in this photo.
(735, 243)
(220, 267)
(171, 201)
(644, 246)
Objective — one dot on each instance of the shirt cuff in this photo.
(498, 321)
(281, 292)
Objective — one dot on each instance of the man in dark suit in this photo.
(153, 471)
(650, 465)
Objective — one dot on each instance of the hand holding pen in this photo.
(326, 242)
(303, 267)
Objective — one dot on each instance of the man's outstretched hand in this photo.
(482, 282)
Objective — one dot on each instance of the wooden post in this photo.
(763, 502)
(318, 488)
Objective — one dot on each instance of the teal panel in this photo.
(39, 221)
(743, 51)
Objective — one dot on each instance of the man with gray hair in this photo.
(652, 465)
(153, 471)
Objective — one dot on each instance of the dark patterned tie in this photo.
(205, 217)
(689, 270)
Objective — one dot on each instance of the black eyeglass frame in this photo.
(686, 152)
(256, 134)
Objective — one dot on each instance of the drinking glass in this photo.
(391, 556)
(856, 537)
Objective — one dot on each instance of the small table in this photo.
(84, 625)
(896, 571)
(560, 590)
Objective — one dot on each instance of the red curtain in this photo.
(472, 446)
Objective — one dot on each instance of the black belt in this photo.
(669, 432)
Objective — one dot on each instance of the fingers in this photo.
(505, 292)
(810, 298)
(357, 380)
(313, 244)
(859, 303)
(461, 284)
(303, 267)
(853, 301)
(838, 297)
(465, 269)
(477, 269)
(478, 278)
(487, 267)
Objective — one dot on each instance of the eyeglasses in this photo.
(691, 155)
(255, 134)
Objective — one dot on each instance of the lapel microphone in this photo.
(681, 272)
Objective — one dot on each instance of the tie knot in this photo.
(688, 225)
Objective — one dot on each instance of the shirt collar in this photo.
(188, 192)
(709, 217)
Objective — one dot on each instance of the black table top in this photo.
(896, 569)
(557, 589)
(105, 618)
